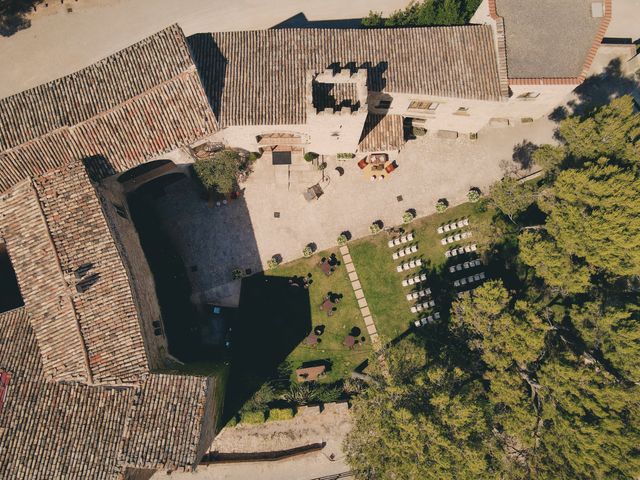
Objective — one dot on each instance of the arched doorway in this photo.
(144, 173)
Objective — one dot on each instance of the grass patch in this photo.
(336, 327)
(252, 418)
(277, 414)
(382, 284)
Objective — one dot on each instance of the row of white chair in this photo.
(413, 280)
(464, 266)
(423, 306)
(419, 294)
(469, 279)
(404, 252)
(409, 265)
(424, 320)
(400, 240)
(460, 250)
(453, 226)
(455, 238)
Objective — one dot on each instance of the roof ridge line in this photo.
(76, 323)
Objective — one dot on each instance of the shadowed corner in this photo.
(300, 20)
(14, 15)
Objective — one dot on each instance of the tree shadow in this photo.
(523, 154)
(598, 90)
(13, 15)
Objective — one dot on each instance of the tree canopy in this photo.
(539, 381)
(219, 173)
(426, 13)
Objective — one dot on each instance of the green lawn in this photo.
(337, 326)
(382, 284)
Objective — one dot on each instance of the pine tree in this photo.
(595, 214)
(612, 131)
(558, 269)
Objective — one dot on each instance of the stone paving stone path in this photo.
(362, 301)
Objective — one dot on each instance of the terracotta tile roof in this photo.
(258, 77)
(106, 312)
(44, 291)
(382, 133)
(70, 430)
(53, 226)
(168, 411)
(137, 103)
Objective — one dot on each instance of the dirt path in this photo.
(59, 43)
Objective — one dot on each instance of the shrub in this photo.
(252, 417)
(374, 228)
(310, 156)
(328, 393)
(219, 173)
(408, 217)
(272, 263)
(473, 194)
(307, 251)
(442, 205)
(322, 165)
(237, 274)
(277, 414)
(481, 206)
(342, 239)
(342, 156)
(253, 156)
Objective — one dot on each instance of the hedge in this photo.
(276, 414)
(252, 417)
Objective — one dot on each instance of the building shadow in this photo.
(273, 318)
(300, 20)
(211, 65)
(598, 90)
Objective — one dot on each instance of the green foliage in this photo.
(344, 156)
(511, 196)
(442, 205)
(550, 158)
(473, 195)
(425, 13)
(612, 131)
(237, 274)
(305, 393)
(374, 228)
(342, 239)
(418, 131)
(253, 156)
(252, 418)
(277, 414)
(272, 263)
(310, 156)
(558, 269)
(219, 173)
(407, 217)
(260, 400)
(233, 421)
(595, 214)
(417, 422)
(612, 330)
(307, 251)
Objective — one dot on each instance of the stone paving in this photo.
(359, 293)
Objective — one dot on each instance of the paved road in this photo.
(59, 43)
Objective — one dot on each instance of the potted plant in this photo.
(310, 156)
(374, 228)
(342, 240)
(272, 263)
(442, 205)
(474, 194)
(408, 217)
(307, 251)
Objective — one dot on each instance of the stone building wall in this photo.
(141, 278)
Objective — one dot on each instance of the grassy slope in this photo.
(337, 326)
